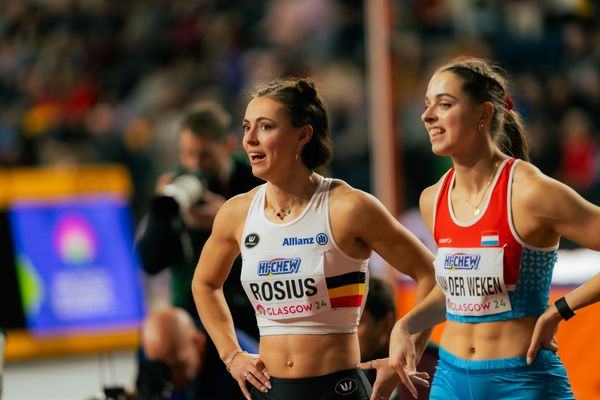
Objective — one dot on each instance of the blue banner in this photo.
(76, 267)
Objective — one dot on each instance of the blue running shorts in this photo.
(506, 378)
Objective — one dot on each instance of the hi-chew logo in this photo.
(461, 261)
(279, 266)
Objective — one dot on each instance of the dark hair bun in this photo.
(307, 89)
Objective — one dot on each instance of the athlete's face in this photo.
(450, 116)
(270, 139)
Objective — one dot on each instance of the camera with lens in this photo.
(186, 190)
(153, 381)
(179, 195)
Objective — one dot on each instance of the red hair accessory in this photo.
(510, 103)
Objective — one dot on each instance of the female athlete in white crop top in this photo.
(314, 355)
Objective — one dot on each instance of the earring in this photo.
(480, 128)
(297, 155)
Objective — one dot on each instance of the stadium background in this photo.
(104, 82)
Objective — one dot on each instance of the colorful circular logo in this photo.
(75, 240)
(260, 310)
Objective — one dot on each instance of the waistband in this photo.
(318, 379)
(511, 364)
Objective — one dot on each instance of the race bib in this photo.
(473, 280)
(283, 288)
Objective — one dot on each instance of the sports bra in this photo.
(486, 270)
(297, 278)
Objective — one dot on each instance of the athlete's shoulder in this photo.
(343, 195)
(529, 181)
(340, 187)
(236, 208)
(535, 191)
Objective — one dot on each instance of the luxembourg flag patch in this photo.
(490, 238)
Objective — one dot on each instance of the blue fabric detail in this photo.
(530, 297)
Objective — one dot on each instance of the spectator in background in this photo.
(59, 59)
(376, 323)
(181, 215)
(578, 167)
(174, 351)
(178, 362)
(187, 199)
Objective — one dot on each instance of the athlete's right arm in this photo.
(216, 259)
(432, 310)
(425, 315)
(212, 270)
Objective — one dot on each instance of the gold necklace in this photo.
(282, 212)
(476, 209)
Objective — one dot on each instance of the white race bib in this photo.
(283, 288)
(473, 280)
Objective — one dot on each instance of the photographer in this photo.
(177, 226)
(186, 201)
(178, 361)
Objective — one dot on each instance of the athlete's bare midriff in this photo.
(488, 340)
(303, 356)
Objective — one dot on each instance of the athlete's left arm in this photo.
(377, 228)
(565, 212)
(368, 223)
(361, 224)
(558, 208)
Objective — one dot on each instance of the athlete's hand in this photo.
(403, 357)
(388, 379)
(544, 333)
(249, 367)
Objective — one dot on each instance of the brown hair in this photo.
(304, 107)
(485, 82)
(207, 119)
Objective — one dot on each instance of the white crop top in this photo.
(296, 277)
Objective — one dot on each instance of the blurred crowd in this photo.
(85, 81)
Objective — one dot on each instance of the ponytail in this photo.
(512, 140)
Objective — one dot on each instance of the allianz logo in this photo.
(319, 238)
